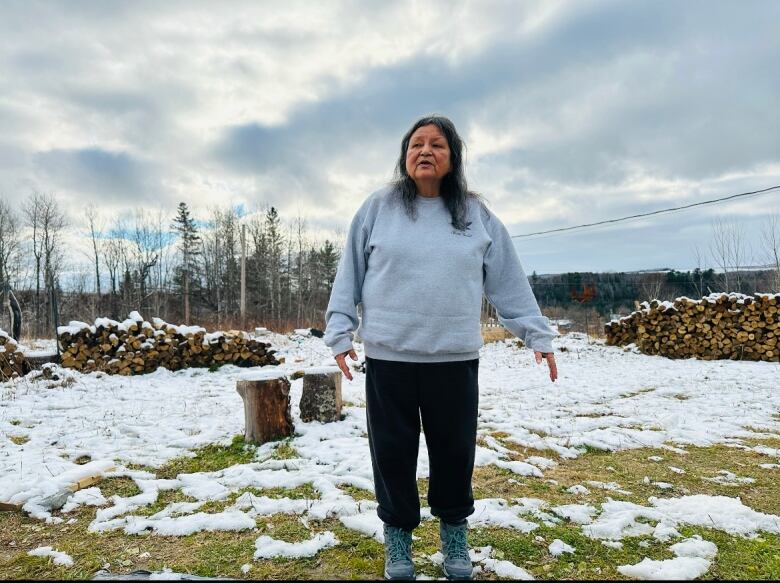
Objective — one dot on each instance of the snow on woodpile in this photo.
(137, 346)
(733, 326)
(12, 361)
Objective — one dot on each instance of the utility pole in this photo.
(186, 294)
(218, 276)
(243, 276)
(6, 301)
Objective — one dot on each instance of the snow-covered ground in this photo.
(605, 397)
(39, 347)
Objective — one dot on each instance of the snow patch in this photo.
(59, 558)
(558, 547)
(679, 568)
(267, 547)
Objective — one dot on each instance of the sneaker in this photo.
(398, 553)
(455, 548)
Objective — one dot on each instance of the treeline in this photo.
(175, 267)
(187, 269)
(610, 293)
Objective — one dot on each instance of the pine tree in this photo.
(189, 246)
(274, 241)
(329, 260)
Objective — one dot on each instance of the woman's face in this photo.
(428, 155)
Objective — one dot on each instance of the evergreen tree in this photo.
(189, 246)
(274, 239)
(329, 260)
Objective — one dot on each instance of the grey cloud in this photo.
(675, 90)
(99, 175)
(683, 119)
(643, 244)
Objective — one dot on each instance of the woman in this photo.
(419, 255)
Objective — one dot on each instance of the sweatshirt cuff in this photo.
(534, 331)
(539, 344)
(342, 345)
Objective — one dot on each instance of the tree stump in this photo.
(321, 398)
(266, 396)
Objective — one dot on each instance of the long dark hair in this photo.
(454, 189)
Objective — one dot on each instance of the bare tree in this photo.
(770, 240)
(145, 254)
(9, 240)
(300, 237)
(95, 233)
(257, 267)
(721, 251)
(731, 252)
(9, 249)
(229, 242)
(651, 286)
(742, 254)
(32, 214)
(214, 264)
(114, 256)
(47, 222)
(697, 275)
(53, 224)
(160, 273)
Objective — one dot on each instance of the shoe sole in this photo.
(389, 578)
(452, 577)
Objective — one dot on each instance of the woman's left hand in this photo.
(550, 358)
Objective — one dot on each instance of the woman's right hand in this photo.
(341, 360)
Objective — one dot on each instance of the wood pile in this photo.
(136, 346)
(12, 362)
(719, 326)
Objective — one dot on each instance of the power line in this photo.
(669, 210)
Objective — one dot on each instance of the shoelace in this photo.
(456, 546)
(398, 548)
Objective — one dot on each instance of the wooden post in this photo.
(243, 277)
(186, 295)
(266, 396)
(321, 397)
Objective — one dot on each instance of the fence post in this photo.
(55, 313)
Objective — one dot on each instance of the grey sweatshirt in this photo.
(421, 282)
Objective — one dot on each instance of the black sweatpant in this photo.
(445, 395)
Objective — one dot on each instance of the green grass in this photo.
(221, 554)
(357, 493)
(285, 451)
(121, 486)
(164, 498)
(302, 492)
(210, 458)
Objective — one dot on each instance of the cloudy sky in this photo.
(573, 112)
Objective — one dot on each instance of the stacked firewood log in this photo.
(12, 361)
(719, 326)
(136, 346)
